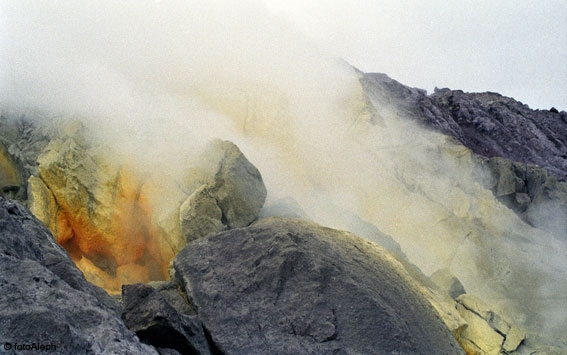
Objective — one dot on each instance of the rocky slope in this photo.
(284, 286)
(45, 299)
(436, 205)
(498, 225)
(490, 124)
(523, 152)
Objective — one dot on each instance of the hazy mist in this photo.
(516, 48)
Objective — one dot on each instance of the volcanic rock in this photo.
(290, 286)
(525, 150)
(513, 339)
(95, 208)
(45, 299)
(122, 226)
(21, 141)
(532, 192)
(200, 214)
(479, 337)
(457, 213)
(488, 123)
(487, 330)
(161, 317)
(232, 198)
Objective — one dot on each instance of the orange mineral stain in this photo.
(126, 250)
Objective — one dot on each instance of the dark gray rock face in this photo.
(286, 286)
(162, 317)
(45, 299)
(490, 124)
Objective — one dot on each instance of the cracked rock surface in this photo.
(232, 198)
(290, 286)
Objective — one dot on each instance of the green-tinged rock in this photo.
(232, 197)
(479, 307)
(200, 215)
(513, 339)
(479, 333)
(238, 187)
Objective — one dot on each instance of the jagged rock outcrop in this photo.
(523, 151)
(45, 299)
(533, 193)
(21, 142)
(290, 286)
(490, 124)
(488, 332)
(450, 194)
(96, 209)
(232, 198)
(121, 226)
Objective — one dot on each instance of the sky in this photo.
(515, 47)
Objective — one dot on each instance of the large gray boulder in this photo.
(286, 286)
(45, 299)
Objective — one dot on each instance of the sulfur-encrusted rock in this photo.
(513, 339)
(96, 209)
(22, 139)
(479, 307)
(479, 337)
(9, 176)
(290, 286)
(447, 309)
